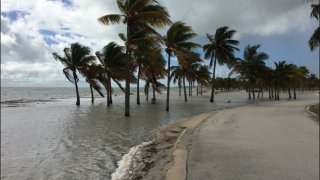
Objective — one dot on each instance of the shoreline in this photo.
(166, 157)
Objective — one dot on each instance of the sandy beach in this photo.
(268, 140)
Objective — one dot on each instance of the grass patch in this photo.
(315, 109)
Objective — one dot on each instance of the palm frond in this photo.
(110, 19)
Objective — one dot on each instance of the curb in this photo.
(178, 169)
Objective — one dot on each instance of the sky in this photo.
(31, 30)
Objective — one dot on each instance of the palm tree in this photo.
(250, 66)
(92, 75)
(142, 41)
(282, 75)
(136, 14)
(112, 59)
(203, 76)
(315, 38)
(75, 58)
(221, 48)
(177, 43)
(155, 70)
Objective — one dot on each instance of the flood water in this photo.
(54, 139)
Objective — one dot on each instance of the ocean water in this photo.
(45, 136)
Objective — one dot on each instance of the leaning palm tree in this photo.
(177, 42)
(136, 14)
(250, 66)
(91, 73)
(75, 58)
(154, 71)
(221, 48)
(203, 76)
(112, 59)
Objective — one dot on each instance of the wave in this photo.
(128, 162)
(19, 101)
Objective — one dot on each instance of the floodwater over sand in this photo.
(44, 138)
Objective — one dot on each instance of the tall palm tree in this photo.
(75, 58)
(177, 42)
(142, 41)
(221, 48)
(136, 14)
(250, 66)
(112, 59)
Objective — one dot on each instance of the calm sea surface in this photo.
(45, 136)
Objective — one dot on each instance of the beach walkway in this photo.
(262, 141)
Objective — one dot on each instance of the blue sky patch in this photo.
(13, 15)
(47, 36)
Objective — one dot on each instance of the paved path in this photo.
(272, 141)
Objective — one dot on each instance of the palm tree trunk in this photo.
(185, 91)
(138, 92)
(189, 88)
(179, 89)
(153, 100)
(294, 93)
(76, 84)
(146, 90)
(201, 89)
(168, 83)
(269, 91)
(249, 89)
(92, 98)
(110, 91)
(289, 92)
(213, 78)
(253, 94)
(127, 90)
(197, 89)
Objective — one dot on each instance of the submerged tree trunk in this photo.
(253, 94)
(168, 83)
(184, 88)
(76, 85)
(153, 100)
(92, 98)
(110, 89)
(108, 93)
(189, 85)
(138, 91)
(146, 90)
(289, 92)
(249, 89)
(269, 91)
(213, 78)
(197, 89)
(128, 62)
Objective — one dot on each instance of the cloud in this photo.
(32, 29)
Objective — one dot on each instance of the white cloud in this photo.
(7, 40)
(25, 50)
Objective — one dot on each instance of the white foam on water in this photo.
(126, 164)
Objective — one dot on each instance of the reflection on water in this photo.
(58, 140)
